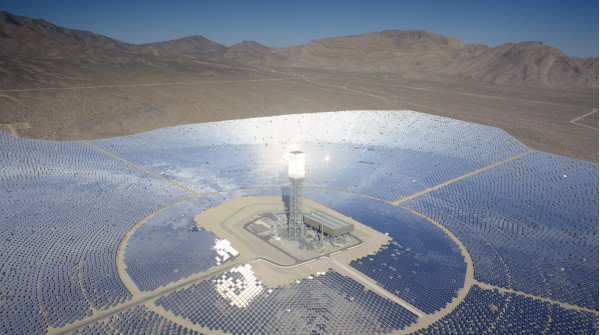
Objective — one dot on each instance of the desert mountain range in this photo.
(412, 54)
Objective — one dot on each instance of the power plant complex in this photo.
(298, 221)
(424, 225)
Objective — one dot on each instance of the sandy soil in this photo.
(174, 94)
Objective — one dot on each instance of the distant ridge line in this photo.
(414, 54)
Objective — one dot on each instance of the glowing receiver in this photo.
(296, 165)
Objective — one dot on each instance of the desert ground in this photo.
(95, 100)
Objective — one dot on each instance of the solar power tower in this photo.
(296, 228)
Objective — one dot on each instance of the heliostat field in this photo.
(480, 234)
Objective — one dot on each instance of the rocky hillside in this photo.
(191, 46)
(21, 35)
(389, 51)
(412, 54)
(531, 64)
(247, 52)
(424, 55)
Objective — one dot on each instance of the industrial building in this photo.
(328, 224)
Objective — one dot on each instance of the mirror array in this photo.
(492, 312)
(383, 154)
(419, 260)
(528, 220)
(324, 303)
(169, 246)
(64, 208)
(530, 225)
(136, 320)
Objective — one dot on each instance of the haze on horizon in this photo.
(569, 26)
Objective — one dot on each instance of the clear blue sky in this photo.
(571, 26)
